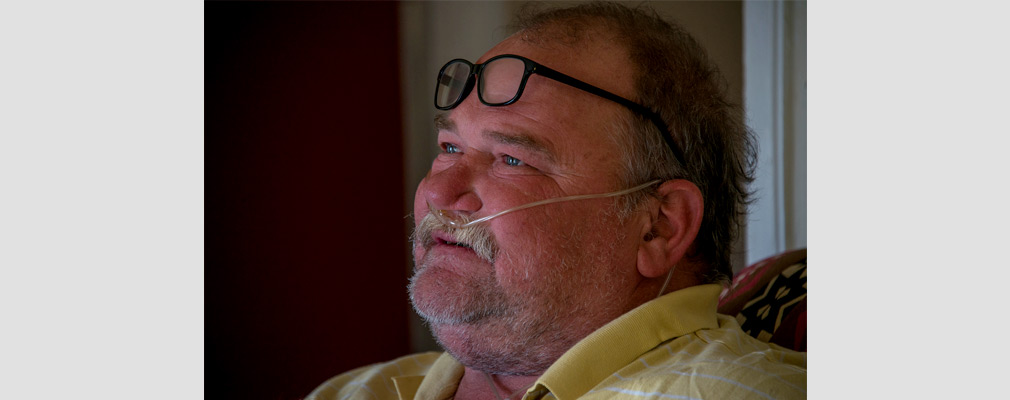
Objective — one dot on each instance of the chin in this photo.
(487, 347)
(448, 296)
(432, 299)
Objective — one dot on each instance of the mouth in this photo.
(451, 243)
(465, 244)
(444, 239)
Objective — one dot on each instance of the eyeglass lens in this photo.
(452, 83)
(500, 81)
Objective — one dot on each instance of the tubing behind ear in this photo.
(666, 282)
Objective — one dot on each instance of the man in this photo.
(611, 295)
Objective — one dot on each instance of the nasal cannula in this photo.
(456, 220)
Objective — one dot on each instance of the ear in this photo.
(676, 218)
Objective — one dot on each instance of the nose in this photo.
(451, 190)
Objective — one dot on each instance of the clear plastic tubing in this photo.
(460, 221)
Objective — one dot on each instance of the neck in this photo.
(475, 386)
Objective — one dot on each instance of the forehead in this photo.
(598, 58)
(574, 124)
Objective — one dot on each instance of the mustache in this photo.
(477, 237)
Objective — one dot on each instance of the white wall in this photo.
(775, 103)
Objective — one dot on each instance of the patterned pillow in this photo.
(769, 299)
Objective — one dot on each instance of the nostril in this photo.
(448, 218)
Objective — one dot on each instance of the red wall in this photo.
(304, 209)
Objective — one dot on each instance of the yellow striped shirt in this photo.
(674, 347)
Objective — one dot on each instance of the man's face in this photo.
(560, 270)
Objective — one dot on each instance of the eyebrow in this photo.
(443, 123)
(520, 139)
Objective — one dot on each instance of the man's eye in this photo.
(512, 161)
(450, 148)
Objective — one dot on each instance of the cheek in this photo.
(572, 234)
(532, 244)
(420, 206)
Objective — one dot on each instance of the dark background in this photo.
(304, 229)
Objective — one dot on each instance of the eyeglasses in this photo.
(503, 78)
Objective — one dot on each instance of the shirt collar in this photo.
(439, 383)
(627, 337)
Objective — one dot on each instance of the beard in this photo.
(514, 325)
(448, 300)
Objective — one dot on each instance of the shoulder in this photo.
(713, 363)
(374, 381)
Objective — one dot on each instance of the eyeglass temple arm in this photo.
(638, 108)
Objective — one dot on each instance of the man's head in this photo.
(553, 274)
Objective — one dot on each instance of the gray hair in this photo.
(677, 80)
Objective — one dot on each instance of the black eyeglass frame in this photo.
(533, 67)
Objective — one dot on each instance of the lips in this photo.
(458, 245)
(442, 250)
(441, 238)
